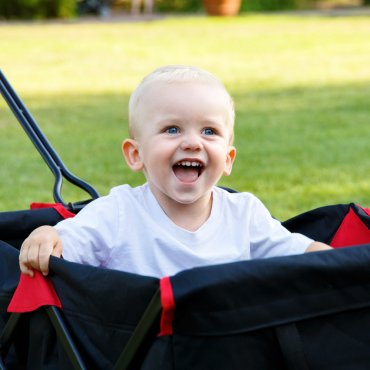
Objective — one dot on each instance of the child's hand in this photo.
(37, 249)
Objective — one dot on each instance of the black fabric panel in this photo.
(101, 308)
(9, 278)
(331, 342)
(319, 224)
(16, 226)
(251, 295)
(337, 342)
(160, 355)
(255, 350)
(226, 315)
(364, 217)
(292, 347)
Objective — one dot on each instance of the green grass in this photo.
(301, 87)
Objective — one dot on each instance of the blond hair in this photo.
(174, 74)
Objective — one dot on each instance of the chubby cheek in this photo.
(156, 160)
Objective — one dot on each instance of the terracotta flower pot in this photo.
(222, 7)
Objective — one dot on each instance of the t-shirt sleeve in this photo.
(88, 237)
(269, 238)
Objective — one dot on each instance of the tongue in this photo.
(189, 174)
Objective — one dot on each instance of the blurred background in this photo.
(299, 72)
(36, 9)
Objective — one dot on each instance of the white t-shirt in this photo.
(128, 231)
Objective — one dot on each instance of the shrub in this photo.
(267, 5)
(37, 9)
(247, 5)
(178, 5)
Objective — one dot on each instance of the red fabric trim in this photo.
(33, 293)
(57, 206)
(168, 306)
(352, 231)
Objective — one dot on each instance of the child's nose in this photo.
(191, 142)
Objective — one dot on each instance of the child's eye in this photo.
(172, 130)
(208, 131)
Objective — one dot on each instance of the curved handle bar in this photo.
(44, 147)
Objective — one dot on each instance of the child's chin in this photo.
(189, 197)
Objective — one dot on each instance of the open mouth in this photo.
(188, 171)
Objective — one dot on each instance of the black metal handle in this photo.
(44, 147)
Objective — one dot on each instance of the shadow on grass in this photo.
(298, 148)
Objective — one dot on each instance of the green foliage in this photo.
(37, 9)
(65, 8)
(276, 5)
(247, 5)
(268, 5)
(178, 5)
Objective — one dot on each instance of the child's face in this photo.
(182, 140)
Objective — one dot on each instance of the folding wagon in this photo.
(310, 311)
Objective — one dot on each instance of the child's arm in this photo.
(37, 249)
(317, 246)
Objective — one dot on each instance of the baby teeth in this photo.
(189, 164)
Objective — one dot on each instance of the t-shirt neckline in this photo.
(153, 207)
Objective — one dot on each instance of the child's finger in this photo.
(57, 249)
(33, 256)
(44, 258)
(25, 270)
(23, 261)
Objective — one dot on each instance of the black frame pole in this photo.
(42, 144)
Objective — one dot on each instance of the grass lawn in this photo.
(301, 87)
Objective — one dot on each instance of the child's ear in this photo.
(229, 160)
(130, 150)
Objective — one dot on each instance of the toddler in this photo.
(181, 122)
